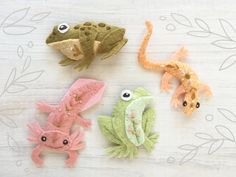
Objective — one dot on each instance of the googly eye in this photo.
(198, 105)
(65, 142)
(185, 103)
(63, 28)
(44, 138)
(126, 95)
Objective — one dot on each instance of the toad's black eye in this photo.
(65, 142)
(185, 103)
(64, 27)
(126, 95)
(44, 138)
(198, 105)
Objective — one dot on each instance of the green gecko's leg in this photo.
(148, 123)
(148, 120)
(106, 127)
(175, 99)
(115, 49)
(206, 90)
(66, 62)
(180, 54)
(150, 141)
(165, 81)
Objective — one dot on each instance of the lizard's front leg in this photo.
(36, 155)
(206, 90)
(175, 99)
(45, 107)
(165, 81)
(73, 155)
(84, 122)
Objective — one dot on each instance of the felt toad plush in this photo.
(80, 44)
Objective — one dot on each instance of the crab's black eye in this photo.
(126, 95)
(65, 142)
(44, 138)
(185, 103)
(198, 105)
(63, 28)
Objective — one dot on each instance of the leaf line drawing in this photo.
(200, 28)
(213, 144)
(17, 23)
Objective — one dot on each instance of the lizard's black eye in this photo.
(65, 142)
(126, 95)
(63, 28)
(44, 138)
(185, 103)
(198, 105)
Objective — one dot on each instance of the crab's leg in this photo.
(175, 99)
(73, 155)
(36, 155)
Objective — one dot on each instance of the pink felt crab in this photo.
(56, 134)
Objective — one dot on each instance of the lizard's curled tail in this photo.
(142, 56)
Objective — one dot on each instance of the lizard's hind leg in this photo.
(175, 99)
(165, 81)
(180, 54)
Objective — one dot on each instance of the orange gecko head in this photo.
(191, 102)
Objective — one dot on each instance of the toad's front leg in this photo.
(36, 155)
(73, 155)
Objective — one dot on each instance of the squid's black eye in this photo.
(197, 105)
(65, 142)
(44, 138)
(185, 103)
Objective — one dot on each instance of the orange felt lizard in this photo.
(190, 85)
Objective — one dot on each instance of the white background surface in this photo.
(44, 79)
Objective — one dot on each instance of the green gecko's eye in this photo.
(63, 27)
(126, 95)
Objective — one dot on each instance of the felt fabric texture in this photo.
(130, 125)
(83, 41)
(190, 86)
(56, 135)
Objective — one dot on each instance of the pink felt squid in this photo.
(56, 134)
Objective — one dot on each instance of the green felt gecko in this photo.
(130, 125)
(79, 44)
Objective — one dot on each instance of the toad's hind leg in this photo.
(112, 42)
(165, 81)
(115, 49)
